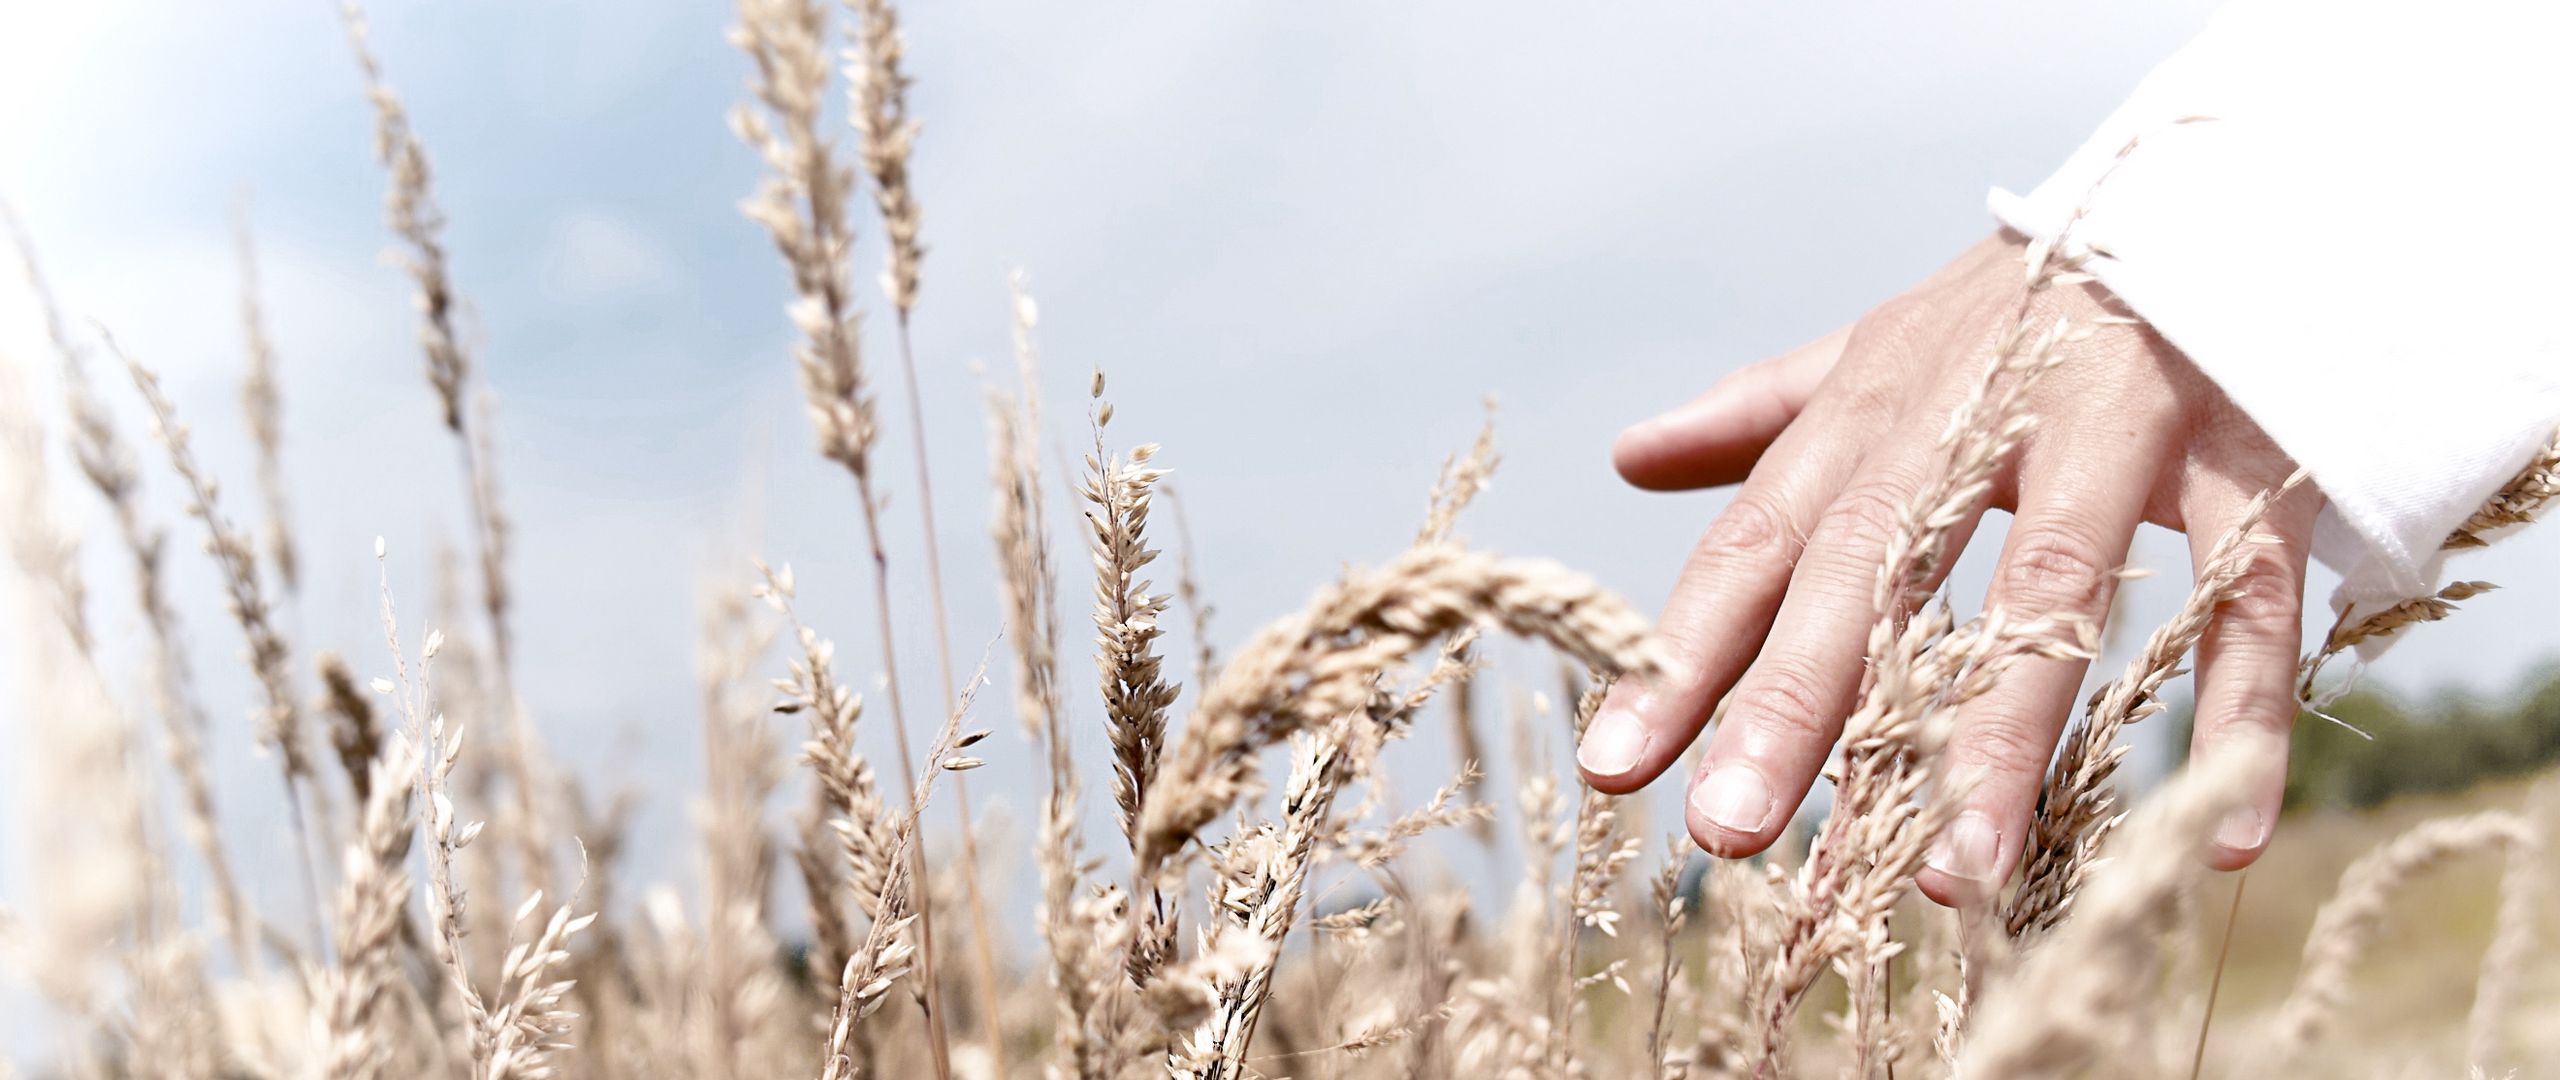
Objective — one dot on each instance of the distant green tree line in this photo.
(2437, 743)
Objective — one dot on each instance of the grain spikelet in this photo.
(353, 997)
(1126, 614)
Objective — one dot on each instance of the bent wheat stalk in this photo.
(1321, 663)
(2343, 930)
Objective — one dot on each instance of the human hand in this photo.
(1830, 442)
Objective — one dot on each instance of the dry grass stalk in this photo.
(2513, 944)
(49, 558)
(1376, 848)
(411, 209)
(1462, 478)
(881, 960)
(1260, 877)
(1090, 938)
(2076, 997)
(2351, 630)
(1671, 915)
(1599, 857)
(414, 216)
(108, 464)
(355, 726)
(280, 716)
(2518, 503)
(801, 202)
(886, 137)
(518, 1029)
(2077, 807)
(1187, 589)
(1834, 906)
(743, 767)
(1127, 619)
(846, 796)
(847, 800)
(262, 404)
(876, 69)
(2343, 931)
(864, 826)
(94, 879)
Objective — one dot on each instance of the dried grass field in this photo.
(1249, 896)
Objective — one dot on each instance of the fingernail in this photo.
(2244, 829)
(1614, 743)
(1734, 798)
(1969, 849)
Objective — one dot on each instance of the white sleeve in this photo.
(2358, 244)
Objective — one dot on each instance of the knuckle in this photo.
(2265, 601)
(1896, 323)
(1750, 378)
(1783, 701)
(2003, 742)
(1750, 527)
(2056, 566)
(2255, 721)
(1862, 519)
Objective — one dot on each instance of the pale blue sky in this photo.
(1304, 239)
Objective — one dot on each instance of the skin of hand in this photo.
(1770, 615)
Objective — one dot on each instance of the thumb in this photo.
(1716, 438)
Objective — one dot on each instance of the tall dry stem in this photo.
(876, 68)
(270, 658)
(262, 404)
(801, 203)
(411, 209)
(881, 960)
